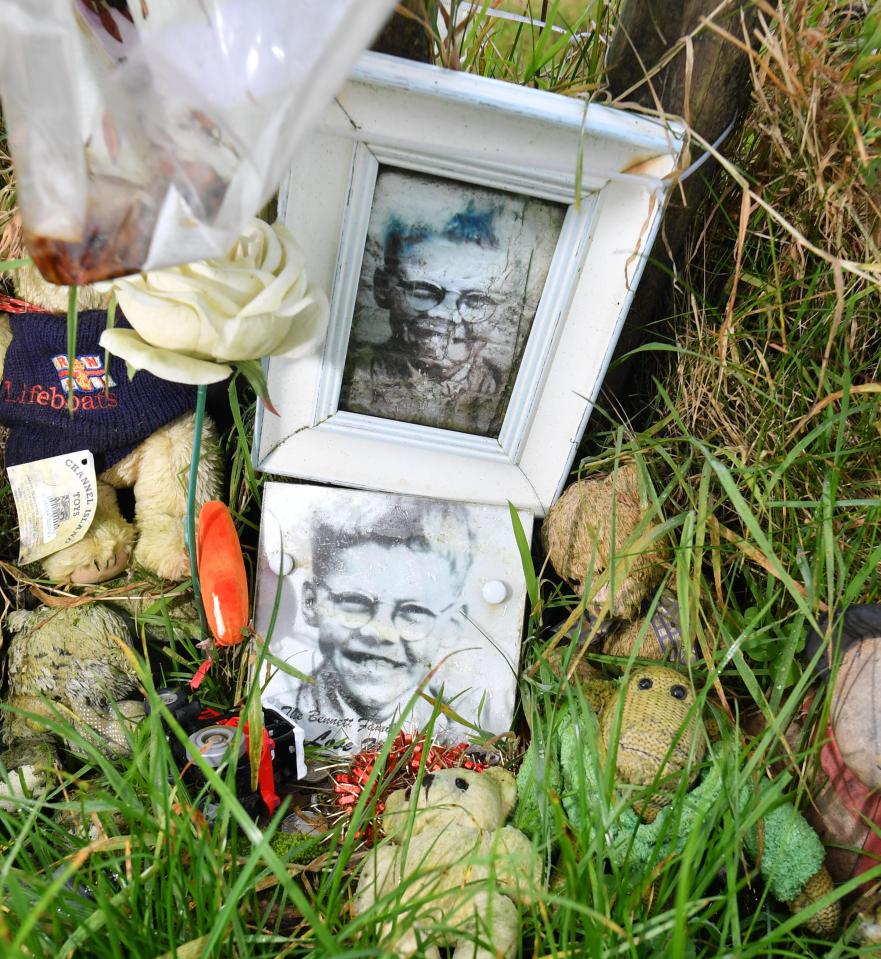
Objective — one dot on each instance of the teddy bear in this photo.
(661, 739)
(847, 789)
(66, 663)
(140, 430)
(846, 786)
(452, 865)
(599, 538)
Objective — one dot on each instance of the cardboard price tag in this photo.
(56, 499)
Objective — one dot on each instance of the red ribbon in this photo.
(405, 756)
(200, 674)
(10, 304)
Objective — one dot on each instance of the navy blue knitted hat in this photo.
(112, 413)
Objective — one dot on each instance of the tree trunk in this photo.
(719, 84)
(710, 93)
(402, 36)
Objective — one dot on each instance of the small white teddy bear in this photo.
(448, 867)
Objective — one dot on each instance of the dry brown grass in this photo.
(10, 233)
(774, 321)
(770, 430)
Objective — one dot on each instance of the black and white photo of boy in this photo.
(385, 596)
(389, 620)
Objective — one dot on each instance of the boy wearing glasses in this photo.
(461, 291)
(385, 598)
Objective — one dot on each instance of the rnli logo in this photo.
(88, 374)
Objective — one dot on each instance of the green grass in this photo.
(143, 874)
(563, 52)
(118, 862)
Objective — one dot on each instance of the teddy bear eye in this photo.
(461, 783)
(645, 683)
(677, 691)
(408, 792)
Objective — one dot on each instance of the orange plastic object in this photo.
(222, 576)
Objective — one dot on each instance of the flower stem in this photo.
(201, 393)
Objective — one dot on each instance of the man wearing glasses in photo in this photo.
(455, 305)
(385, 596)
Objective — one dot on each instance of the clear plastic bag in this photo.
(145, 133)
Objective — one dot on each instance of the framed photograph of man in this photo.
(399, 609)
(481, 243)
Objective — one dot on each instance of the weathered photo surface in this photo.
(382, 600)
(450, 282)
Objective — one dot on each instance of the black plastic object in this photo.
(854, 625)
(209, 737)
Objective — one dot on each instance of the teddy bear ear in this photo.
(713, 728)
(504, 779)
(19, 620)
(626, 478)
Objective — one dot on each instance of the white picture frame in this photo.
(481, 134)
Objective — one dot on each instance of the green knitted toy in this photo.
(660, 740)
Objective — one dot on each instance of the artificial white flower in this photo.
(189, 322)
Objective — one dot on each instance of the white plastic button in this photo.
(281, 564)
(495, 592)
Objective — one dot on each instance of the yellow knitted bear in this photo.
(651, 725)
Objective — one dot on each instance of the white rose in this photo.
(189, 322)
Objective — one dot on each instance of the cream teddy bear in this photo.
(139, 429)
(448, 868)
(601, 537)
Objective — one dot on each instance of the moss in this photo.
(291, 847)
(296, 847)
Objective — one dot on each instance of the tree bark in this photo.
(403, 36)
(718, 87)
(710, 92)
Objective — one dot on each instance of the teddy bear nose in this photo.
(427, 780)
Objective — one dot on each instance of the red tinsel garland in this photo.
(11, 304)
(405, 756)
